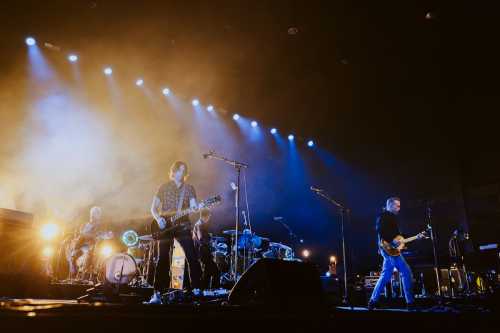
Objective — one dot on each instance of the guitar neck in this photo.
(410, 239)
(183, 213)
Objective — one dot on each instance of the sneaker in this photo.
(196, 292)
(155, 299)
(372, 305)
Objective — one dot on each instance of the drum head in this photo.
(120, 265)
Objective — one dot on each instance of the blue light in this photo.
(73, 58)
(30, 41)
(139, 82)
(236, 116)
(254, 123)
(210, 108)
(310, 143)
(166, 91)
(291, 137)
(274, 131)
(195, 102)
(108, 71)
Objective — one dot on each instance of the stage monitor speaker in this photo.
(281, 285)
(21, 270)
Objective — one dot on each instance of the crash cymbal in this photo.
(231, 232)
(218, 239)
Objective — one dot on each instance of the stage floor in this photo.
(68, 315)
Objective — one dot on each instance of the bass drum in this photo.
(120, 268)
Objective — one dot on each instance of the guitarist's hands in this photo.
(162, 223)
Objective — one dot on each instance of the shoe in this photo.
(372, 305)
(196, 292)
(155, 299)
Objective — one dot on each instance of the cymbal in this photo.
(146, 237)
(218, 239)
(231, 232)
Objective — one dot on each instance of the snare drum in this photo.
(120, 268)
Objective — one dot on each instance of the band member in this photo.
(84, 241)
(173, 196)
(387, 229)
(210, 278)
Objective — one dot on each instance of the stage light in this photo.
(333, 259)
(47, 252)
(139, 82)
(310, 143)
(49, 231)
(328, 274)
(166, 91)
(306, 253)
(210, 108)
(291, 137)
(236, 116)
(108, 71)
(106, 251)
(195, 102)
(254, 123)
(273, 131)
(30, 41)
(130, 238)
(73, 58)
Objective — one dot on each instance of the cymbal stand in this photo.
(237, 166)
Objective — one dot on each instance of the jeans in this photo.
(388, 266)
(162, 273)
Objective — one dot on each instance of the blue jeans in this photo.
(400, 264)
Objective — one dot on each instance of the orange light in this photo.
(49, 231)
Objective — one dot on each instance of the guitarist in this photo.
(387, 229)
(173, 196)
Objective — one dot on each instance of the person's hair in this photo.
(391, 200)
(176, 166)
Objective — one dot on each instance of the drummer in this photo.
(85, 240)
(201, 240)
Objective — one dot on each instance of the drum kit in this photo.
(248, 248)
(128, 260)
(132, 258)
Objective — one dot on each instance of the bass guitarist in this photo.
(172, 197)
(387, 230)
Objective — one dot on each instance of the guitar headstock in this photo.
(211, 202)
(423, 234)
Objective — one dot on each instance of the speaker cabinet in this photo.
(280, 284)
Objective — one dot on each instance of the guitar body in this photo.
(169, 231)
(394, 248)
(398, 244)
(175, 220)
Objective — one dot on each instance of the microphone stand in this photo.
(342, 210)
(293, 237)
(237, 166)
(434, 252)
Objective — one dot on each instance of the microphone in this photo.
(233, 186)
(278, 218)
(315, 189)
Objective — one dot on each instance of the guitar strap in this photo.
(181, 198)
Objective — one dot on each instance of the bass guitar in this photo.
(398, 244)
(174, 221)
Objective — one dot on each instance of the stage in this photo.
(70, 315)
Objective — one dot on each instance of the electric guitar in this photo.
(398, 244)
(173, 219)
